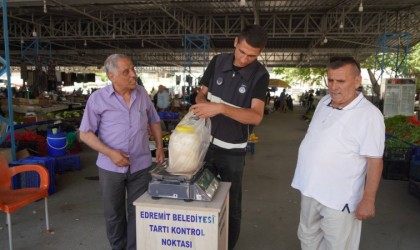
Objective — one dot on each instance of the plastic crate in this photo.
(67, 162)
(31, 178)
(168, 115)
(396, 170)
(163, 115)
(16, 180)
(415, 150)
(173, 115)
(414, 188)
(24, 179)
(398, 154)
(415, 168)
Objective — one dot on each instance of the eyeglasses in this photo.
(343, 60)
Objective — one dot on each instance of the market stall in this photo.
(402, 151)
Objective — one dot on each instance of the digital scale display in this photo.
(205, 180)
(201, 186)
(208, 183)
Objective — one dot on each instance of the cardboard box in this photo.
(7, 152)
(22, 154)
(29, 119)
(41, 117)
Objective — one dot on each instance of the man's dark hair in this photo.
(254, 35)
(339, 61)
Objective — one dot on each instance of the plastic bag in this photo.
(188, 144)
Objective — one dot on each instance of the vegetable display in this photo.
(405, 128)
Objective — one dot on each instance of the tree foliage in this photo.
(311, 76)
(316, 76)
(392, 62)
(103, 76)
(414, 60)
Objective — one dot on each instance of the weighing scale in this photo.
(200, 185)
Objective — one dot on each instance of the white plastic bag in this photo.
(188, 145)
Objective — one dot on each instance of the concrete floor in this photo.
(270, 205)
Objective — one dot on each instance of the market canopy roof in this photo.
(278, 83)
(158, 33)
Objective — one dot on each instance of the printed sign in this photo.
(178, 229)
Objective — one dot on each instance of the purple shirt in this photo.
(121, 127)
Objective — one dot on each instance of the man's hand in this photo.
(119, 158)
(206, 110)
(365, 210)
(160, 155)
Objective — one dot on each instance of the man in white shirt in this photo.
(339, 163)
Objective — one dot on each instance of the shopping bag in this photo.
(188, 144)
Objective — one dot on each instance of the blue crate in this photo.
(416, 150)
(49, 164)
(67, 162)
(163, 115)
(415, 168)
(398, 153)
(414, 188)
(16, 181)
(396, 169)
(168, 115)
(25, 179)
(31, 178)
(172, 115)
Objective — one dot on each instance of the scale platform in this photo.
(200, 185)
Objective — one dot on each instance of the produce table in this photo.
(24, 125)
(44, 108)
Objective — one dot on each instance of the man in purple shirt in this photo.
(120, 113)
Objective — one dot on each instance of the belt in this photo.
(227, 145)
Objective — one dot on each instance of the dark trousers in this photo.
(230, 168)
(119, 211)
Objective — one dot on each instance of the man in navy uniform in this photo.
(233, 97)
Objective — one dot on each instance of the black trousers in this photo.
(119, 211)
(229, 167)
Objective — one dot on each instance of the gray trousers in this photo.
(324, 228)
(119, 211)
